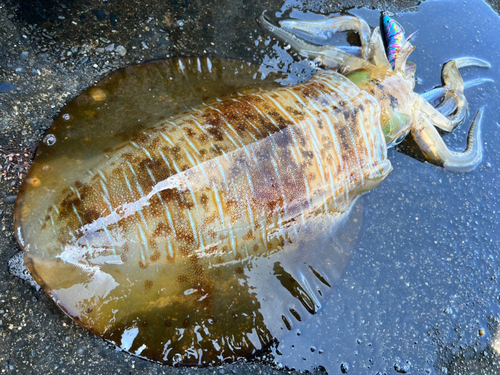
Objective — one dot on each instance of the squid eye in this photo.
(399, 139)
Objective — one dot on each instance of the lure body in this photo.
(394, 36)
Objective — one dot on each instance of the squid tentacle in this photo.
(330, 57)
(454, 104)
(436, 152)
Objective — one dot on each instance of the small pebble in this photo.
(81, 349)
(97, 94)
(122, 51)
(9, 199)
(6, 87)
(99, 14)
(113, 19)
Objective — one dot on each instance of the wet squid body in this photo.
(190, 212)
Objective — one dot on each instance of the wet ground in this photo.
(422, 292)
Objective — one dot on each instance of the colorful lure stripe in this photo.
(395, 37)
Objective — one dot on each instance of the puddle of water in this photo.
(427, 263)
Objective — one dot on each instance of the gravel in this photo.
(52, 51)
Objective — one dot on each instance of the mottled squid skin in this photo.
(219, 183)
(207, 182)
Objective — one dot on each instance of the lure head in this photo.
(386, 19)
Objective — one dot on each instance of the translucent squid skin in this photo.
(158, 243)
(211, 186)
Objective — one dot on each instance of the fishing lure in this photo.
(394, 36)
